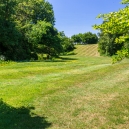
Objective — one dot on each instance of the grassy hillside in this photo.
(75, 92)
(87, 50)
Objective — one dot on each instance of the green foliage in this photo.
(35, 21)
(27, 29)
(117, 23)
(10, 35)
(7, 9)
(37, 31)
(85, 38)
(107, 45)
(120, 55)
(67, 43)
(50, 43)
(31, 11)
(89, 38)
(125, 1)
(76, 38)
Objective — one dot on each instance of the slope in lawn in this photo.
(87, 50)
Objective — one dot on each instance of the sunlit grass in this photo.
(87, 50)
(75, 92)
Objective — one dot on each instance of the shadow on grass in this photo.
(61, 59)
(67, 58)
(20, 118)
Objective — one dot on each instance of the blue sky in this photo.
(78, 16)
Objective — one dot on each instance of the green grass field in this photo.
(73, 92)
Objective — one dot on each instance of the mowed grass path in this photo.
(87, 50)
(76, 92)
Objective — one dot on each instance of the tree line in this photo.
(85, 38)
(27, 29)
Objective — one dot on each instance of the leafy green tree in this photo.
(35, 20)
(89, 38)
(117, 23)
(45, 38)
(28, 14)
(67, 43)
(85, 38)
(9, 34)
(27, 28)
(107, 45)
(76, 38)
